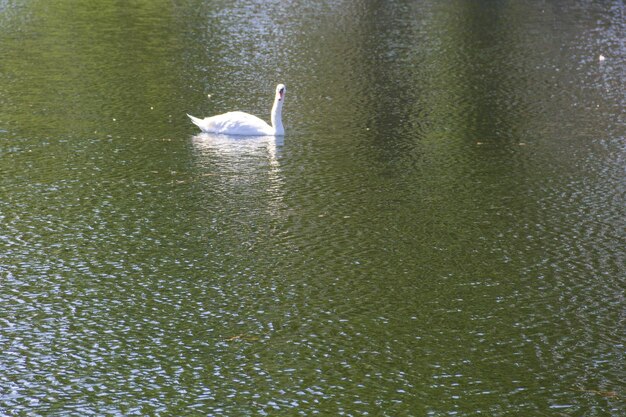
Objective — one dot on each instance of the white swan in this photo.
(240, 123)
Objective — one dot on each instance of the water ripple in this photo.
(439, 233)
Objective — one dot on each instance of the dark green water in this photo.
(441, 231)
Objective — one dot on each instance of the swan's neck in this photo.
(277, 117)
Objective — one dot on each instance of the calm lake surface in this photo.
(440, 232)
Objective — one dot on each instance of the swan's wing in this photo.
(236, 123)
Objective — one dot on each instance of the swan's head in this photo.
(280, 92)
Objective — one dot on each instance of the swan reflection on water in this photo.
(248, 165)
(233, 147)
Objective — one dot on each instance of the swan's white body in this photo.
(244, 124)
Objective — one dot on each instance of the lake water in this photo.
(441, 232)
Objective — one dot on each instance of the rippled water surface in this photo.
(440, 232)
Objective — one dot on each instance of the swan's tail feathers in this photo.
(195, 120)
